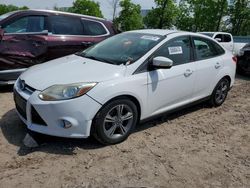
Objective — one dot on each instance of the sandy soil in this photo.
(196, 147)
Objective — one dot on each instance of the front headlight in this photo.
(63, 92)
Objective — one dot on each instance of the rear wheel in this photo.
(115, 121)
(220, 92)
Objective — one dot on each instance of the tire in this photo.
(115, 121)
(220, 92)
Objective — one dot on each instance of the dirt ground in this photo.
(196, 147)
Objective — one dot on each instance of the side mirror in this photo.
(1, 33)
(162, 63)
(218, 39)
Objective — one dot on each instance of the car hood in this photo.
(70, 69)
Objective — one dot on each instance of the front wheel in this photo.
(115, 121)
(220, 92)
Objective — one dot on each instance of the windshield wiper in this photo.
(100, 59)
(80, 54)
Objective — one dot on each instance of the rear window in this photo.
(65, 25)
(93, 28)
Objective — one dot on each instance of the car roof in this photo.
(61, 12)
(216, 32)
(165, 32)
(162, 32)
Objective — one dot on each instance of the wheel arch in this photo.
(228, 78)
(123, 96)
(127, 96)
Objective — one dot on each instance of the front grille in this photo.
(24, 87)
(36, 118)
(29, 89)
(20, 104)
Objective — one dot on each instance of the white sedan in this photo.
(107, 89)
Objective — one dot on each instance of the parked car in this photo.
(31, 37)
(108, 88)
(243, 65)
(235, 45)
(227, 40)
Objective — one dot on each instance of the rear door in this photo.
(70, 34)
(24, 42)
(208, 64)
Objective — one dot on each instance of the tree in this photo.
(87, 7)
(240, 17)
(185, 19)
(201, 15)
(130, 16)
(163, 16)
(115, 6)
(9, 8)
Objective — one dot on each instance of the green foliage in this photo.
(240, 17)
(87, 7)
(9, 8)
(201, 15)
(130, 16)
(163, 16)
(185, 20)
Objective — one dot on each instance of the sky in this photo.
(49, 4)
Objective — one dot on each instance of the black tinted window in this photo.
(227, 38)
(178, 50)
(220, 37)
(205, 48)
(26, 24)
(93, 28)
(63, 25)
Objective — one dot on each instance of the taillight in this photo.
(234, 59)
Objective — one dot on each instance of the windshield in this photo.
(208, 34)
(124, 48)
(6, 15)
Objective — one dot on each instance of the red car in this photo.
(34, 36)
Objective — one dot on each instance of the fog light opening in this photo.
(66, 124)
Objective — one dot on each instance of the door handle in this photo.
(217, 65)
(36, 44)
(188, 72)
(87, 43)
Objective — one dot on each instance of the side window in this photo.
(205, 48)
(93, 28)
(227, 38)
(26, 24)
(178, 50)
(65, 25)
(220, 37)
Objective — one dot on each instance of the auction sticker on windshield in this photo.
(147, 37)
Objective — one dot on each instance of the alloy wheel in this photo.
(118, 121)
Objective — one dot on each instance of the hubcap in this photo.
(221, 92)
(118, 121)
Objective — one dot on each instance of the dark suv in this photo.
(35, 36)
(243, 65)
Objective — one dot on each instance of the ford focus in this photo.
(107, 89)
